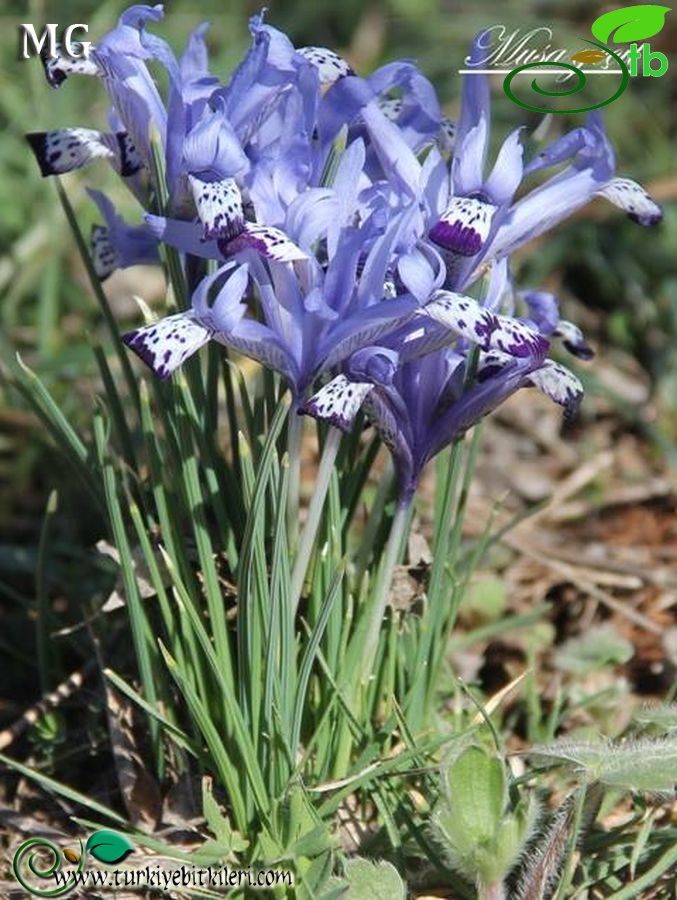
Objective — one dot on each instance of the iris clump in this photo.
(339, 230)
(348, 221)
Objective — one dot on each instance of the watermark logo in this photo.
(629, 24)
(46, 870)
(41, 860)
(33, 44)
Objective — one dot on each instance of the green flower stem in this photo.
(368, 536)
(379, 599)
(314, 513)
(294, 435)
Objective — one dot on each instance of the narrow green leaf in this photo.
(61, 790)
(142, 634)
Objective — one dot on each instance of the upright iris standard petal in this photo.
(543, 309)
(212, 148)
(194, 63)
(632, 199)
(507, 172)
(561, 150)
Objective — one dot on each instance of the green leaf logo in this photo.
(108, 846)
(632, 23)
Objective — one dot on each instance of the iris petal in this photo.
(66, 149)
(61, 65)
(219, 206)
(464, 226)
(266, 240)
(633, 199)
(169, 342)
(558, 383)
(330, 66)
(338, 402)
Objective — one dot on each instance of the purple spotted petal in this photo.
(391, 107)
(105, 258)
(517, 339)
(464, 226)
(633, 199)
(573, 340)
(60, 66)
(219, 206)
(491, 364)
(558, 383)
(266, 240)
(167, 343)
(67, 149)
(330, 66)
(463, 316)
(338, 402)
(130, 161)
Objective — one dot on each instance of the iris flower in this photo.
(313, 313)
(421, 396)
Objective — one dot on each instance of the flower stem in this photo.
(309, 532)
(379, 599)
(294, 434)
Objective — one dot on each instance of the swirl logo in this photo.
(632, 23)
(40, 860)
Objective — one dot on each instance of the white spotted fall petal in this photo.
(169, 342)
